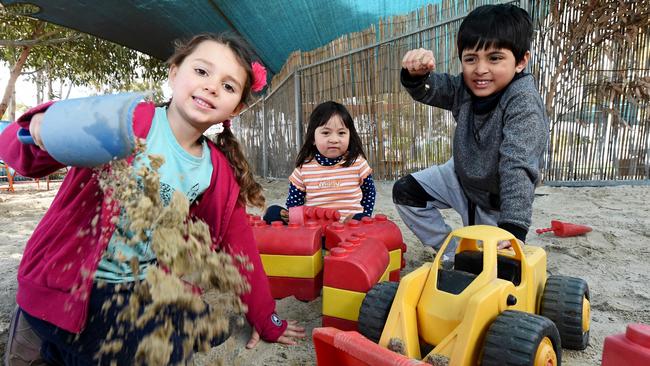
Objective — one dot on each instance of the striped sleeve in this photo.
(364, 170)
(296, 179)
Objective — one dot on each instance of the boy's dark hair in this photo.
(496, 26)
(319, 116)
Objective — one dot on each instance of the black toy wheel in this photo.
(517, 338)
(566, 302)
(375, 308)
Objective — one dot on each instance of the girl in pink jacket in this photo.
(211, 77)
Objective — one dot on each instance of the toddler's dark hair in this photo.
(319, 116)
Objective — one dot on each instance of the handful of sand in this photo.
(185, 263)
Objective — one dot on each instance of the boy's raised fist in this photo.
(419, 62)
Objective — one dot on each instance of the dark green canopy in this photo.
(274, 28)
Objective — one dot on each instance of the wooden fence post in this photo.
(298, 106)
(265, 142)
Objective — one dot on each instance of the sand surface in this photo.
(614, 259)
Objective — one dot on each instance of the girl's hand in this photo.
(289, 337)
(35, 129)
(419, 62)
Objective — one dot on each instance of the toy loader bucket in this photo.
(335, 347)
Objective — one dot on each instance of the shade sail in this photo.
(274, 28)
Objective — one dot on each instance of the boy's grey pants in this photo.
(441, 184)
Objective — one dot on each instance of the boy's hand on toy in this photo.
(293, 332)
(419, 62)
(35, 129)
(506, 244)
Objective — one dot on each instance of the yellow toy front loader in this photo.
(475, 304)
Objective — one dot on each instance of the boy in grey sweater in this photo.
(501, 129)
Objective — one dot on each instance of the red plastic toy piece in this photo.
(355, 266)
(379, 228)
(629, 349)
(290, 240)
(303, 289)
(336, 347)
(565, 229)
(297, 215)
(324, 216)
(338, 323)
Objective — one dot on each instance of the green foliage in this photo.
(76, 57)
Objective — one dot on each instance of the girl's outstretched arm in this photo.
(239, 240)
(28, 160)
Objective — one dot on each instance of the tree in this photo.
(35, 48)
(590, 63)
(586, 51)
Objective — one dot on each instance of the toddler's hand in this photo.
(284, 215)
(419, 62)
(35, 129)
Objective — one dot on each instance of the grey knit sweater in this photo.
(497, 154)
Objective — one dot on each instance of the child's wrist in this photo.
(516, 230)
(411, 81)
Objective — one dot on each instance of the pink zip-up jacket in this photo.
(55, 275)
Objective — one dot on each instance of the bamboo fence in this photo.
(361, 71)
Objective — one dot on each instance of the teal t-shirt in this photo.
(182, 172)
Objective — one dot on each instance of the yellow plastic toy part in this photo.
(345, 304)
(342, 304)
(295, 266)
(451, 302)
(402, 320)
(395, 257)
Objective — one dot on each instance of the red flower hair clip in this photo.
(259, 77)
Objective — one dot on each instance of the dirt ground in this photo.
(613, 259)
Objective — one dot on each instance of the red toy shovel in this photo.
(564, 229)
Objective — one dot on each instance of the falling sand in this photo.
(189, 274)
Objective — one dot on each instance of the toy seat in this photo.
(454, 281)
(508, 269)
